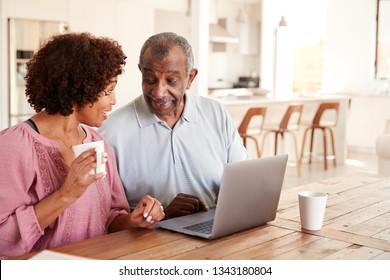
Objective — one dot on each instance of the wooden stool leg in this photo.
(259, 151)
(296, 154)
(257, 147)
(311, 145)
(303, 143)
(276, 143)
(263, 142)
(333, 148)
(325, 152)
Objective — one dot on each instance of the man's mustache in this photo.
(160, 100)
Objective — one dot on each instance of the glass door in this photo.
(25, 37)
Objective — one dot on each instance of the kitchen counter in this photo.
(366, 121)
(238, 105)
(266, 99)
(237, 93)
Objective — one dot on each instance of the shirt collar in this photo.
(190, 113)
(146, 118)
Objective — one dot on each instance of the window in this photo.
(383, 40)
(308, 30)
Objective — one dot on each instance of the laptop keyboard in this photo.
(203, 227)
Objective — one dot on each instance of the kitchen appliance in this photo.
(25, 37)
(247, 82)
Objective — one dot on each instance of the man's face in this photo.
(164, 82)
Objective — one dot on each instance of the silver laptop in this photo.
(248, 197)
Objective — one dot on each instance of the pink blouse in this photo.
(31, 168)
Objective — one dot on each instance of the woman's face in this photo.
(94, 115)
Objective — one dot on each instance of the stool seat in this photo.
(289, 123)
(324, 125)
(247, 129)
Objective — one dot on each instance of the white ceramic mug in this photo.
(99, 147)
(312, 209)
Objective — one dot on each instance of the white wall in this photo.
(349, 52)
(349, 43)
(349, 57)
(129, 22)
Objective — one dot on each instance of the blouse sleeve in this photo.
(119, 203)
(19, 227)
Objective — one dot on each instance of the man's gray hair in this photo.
(161, 44)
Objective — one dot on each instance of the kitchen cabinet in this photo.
(366, 121)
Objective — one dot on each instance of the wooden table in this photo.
(356, 226)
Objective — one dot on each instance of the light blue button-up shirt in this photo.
(154, 159)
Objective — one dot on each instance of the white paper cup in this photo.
(312, 209)
(99, 146)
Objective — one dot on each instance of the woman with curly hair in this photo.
(47, 196)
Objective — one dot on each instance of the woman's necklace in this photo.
(56, 135)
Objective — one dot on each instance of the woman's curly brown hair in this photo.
(72, 69)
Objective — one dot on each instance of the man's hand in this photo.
(184, 204)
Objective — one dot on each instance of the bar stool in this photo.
(324, 126)
(252, 115)
(290, 122)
